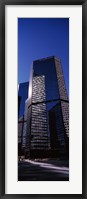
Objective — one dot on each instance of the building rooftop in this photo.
(47, 58)
(23, 83)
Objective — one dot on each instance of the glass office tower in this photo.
(48, 107)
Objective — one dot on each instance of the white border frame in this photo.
(74, 13)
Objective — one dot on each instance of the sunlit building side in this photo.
(39, 127)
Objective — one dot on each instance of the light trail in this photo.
(58, 169)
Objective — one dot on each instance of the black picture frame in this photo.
(2, 96)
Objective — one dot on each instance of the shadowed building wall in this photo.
(23, 93)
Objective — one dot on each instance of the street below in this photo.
(44, 170)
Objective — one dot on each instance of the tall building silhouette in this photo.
(22, 96)
(48, 107)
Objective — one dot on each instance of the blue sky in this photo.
(39, 38)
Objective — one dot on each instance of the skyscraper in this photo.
(47, 100)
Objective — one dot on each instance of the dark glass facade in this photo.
(47, 68)
(23, 93)
(59, 125)
(48, 107)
